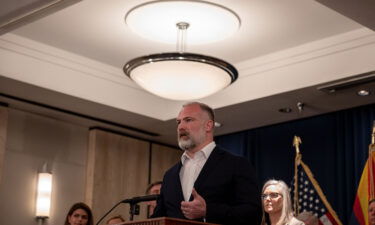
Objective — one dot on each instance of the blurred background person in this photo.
(79, 213)
(308, 218)
(152, 189)
(118, 219)
(277, 206)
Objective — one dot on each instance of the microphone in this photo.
(145, 198)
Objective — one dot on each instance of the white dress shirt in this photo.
(191, 168)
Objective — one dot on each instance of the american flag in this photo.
(307, 194)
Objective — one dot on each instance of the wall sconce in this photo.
(43, 197)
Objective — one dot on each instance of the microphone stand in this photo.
(133, 205)
(134, 210)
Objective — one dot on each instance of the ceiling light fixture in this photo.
(363, 92)
(217, 124)
(181, 75)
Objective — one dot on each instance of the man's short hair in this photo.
(151, 185)
(306, 216)
(205, 108)
(116, 217)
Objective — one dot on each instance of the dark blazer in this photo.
(226, 182)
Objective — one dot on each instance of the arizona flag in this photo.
(365, 190)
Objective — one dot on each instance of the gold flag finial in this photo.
(296, 142)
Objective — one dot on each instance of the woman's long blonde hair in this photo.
(287, 211)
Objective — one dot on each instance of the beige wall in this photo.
(3, 134)
(97, 167)
(117, 170)
(163, 158)
(119, 166)
(33, 140)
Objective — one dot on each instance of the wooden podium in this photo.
(166, 221)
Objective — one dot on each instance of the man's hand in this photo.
(195, 209)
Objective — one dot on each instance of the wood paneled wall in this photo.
(118, 168)
(162, 159)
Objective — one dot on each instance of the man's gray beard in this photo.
(186, 144)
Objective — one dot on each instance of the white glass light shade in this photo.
(181, 76)
(208, 22)
(43, 200)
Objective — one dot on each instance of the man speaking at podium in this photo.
(208, 184)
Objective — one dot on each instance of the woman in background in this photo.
(79, 214)
(277, 206)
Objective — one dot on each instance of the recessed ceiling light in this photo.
(285, 110)
(217, 124)
(363, 92)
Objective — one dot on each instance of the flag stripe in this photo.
(330, 217)
(325, 220)
(358, 211)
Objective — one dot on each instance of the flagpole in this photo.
(296, 142)
(371, 163)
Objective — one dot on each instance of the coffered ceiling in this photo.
(65, 62)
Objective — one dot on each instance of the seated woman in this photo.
(79, 213)
(277, 206)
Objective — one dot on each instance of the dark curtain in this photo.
(334, 146)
